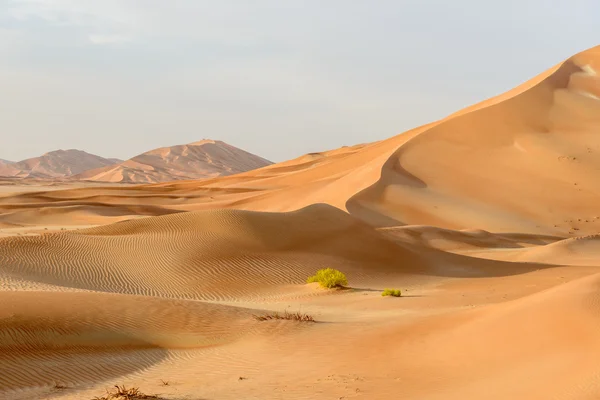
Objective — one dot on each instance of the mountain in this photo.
(203, 159)
(56, 164)
(7, 168)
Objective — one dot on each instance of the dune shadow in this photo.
(34, 371)
(452, 265)
(43, 356)
(370, 290)
(355, 289)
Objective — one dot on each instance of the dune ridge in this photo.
(497, 142)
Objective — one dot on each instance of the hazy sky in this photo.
(278, 78)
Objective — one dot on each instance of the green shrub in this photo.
(392, 292)
(329, 278)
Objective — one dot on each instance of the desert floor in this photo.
(165, 304)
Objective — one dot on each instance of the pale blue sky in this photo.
(278, 78)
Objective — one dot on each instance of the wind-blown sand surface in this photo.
(487, 220)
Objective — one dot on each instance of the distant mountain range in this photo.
(58, 164)
(7, 168)
(203, 159)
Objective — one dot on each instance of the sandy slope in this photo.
(487, 221)
(236, 254)
(44, 342)
(527, 163)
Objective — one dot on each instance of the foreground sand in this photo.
(140, 308)
(486, 220)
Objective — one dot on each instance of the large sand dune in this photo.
(487, 220)
(44, 342)
(525, 162)
(213, 255)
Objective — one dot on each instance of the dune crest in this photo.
(539, 144)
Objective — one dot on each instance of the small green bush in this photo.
(392, 292)
(329, 278)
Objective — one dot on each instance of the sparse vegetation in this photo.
(59, 386)
(295, 316)
(123, 393)
(165, 383)
(392, 292)
(329, 278)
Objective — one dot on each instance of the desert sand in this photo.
(487, 220)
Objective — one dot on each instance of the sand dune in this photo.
(236, 254)
(487, 220)
(537, 143)
(581, 250)
(449, 240)
(540, 346)
(102, 335)
(203, 159)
